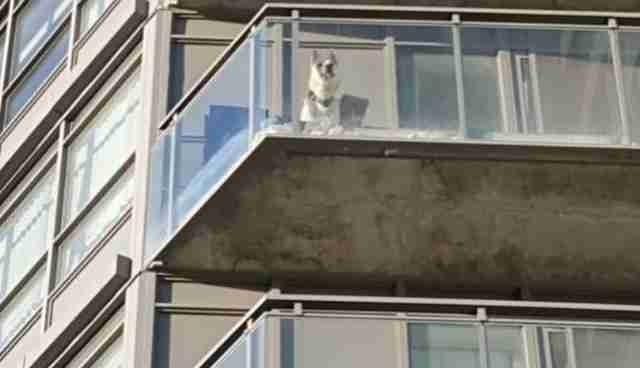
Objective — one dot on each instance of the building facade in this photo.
(416, 184)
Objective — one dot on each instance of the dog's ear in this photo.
(333, 58)
(314, 57)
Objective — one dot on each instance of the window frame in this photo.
(37, 54)
(8, 123)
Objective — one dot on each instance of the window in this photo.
(36, 76)
(102, 148)
(21, 309)
(35, 23)
(90, 12)
(105, 348)
(25, 234)
(111, 357)
(95, 226)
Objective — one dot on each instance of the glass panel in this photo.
(505, 347)
(211, 135)
(188, 62)
(34, 24)
(597, 348)
(419, 69)
(37, 75)
(511, 85)
(102, 148)
(630, 50)
(90, 12)
(25, 234)
(258, 351)
(443, 346)
(343, 343)
(17, 313)
(236, 356)
(95, 226)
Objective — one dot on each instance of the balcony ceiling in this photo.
(554, 223)
(244, 9)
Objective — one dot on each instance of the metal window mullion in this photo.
(295, 44)
(526, 348)
(50, 272)
(614, 43)
(6, 57)
(506, 90)
(73, 33)
(457, 57)
(537, 98)
(402, 342)
(390, 79)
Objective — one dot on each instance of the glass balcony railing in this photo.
(414, 81)
(369, 342)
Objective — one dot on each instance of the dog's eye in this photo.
(319, 65)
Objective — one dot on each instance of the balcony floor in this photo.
(546, 223)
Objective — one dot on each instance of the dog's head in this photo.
(324, 67)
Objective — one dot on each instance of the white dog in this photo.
(320, 112)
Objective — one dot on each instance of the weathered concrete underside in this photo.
(244, 9)
(539, 229)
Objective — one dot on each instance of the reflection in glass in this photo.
(25, 234)
(236, 357)
(505, 347)
(630, 50)
(511, 79)
(102, 148)
(558, 349)
(111, 357)
(597, 348)
(34, 24)
(443, 346)
(95, 226)
(90, 12)
(37, 75)
(20, 310)
(321, 342)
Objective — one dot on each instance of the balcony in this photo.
(370, 338)
(548, 84)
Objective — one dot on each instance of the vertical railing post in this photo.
(173, 148)
(457, 56)
(614, 43)
(482, 329)
(295, 44)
